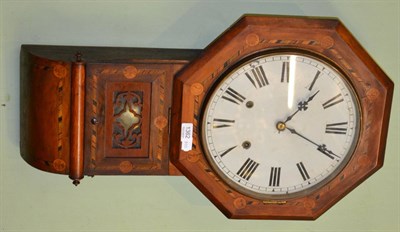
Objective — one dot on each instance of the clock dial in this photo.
(280, 125)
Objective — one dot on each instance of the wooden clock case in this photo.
(118, 111)
(70, 119)
(327, 38)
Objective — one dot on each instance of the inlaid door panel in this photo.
(126, 118)
(127, 125)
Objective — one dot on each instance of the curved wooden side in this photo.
(45, 112)
(55, 83)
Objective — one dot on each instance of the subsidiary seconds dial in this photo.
(280, 125)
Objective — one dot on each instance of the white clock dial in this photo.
(280, 125)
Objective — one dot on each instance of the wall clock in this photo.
(280, 125)
(278, 118)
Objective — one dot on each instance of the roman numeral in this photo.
(224, 152)
(285, 72)
(314, 80)
(303, 171)
(257, 77)
(247, 169)
(221, 123)
(274, 176)
(336, 128)
(233, 96)
(333, 101)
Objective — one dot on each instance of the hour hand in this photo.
(301, 106)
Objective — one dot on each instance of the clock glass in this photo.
(280, 125)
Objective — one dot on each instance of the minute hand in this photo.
(300, 106)
(322, 148)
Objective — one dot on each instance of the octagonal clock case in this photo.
(278, 118)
